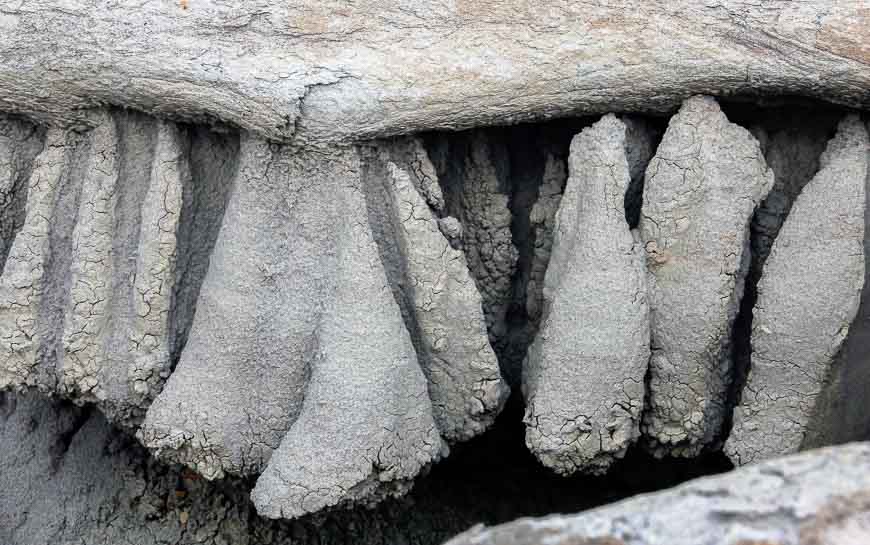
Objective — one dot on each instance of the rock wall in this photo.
(321, 326)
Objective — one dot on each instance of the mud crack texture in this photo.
(583, 379)
(808, 296)
(701, 189)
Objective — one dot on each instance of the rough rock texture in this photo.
(808, 296)
(840, 416)
(821, 497)
(335, 328)
(296, 335)
(584, 377)
(700, 192)
(325, 70)
(474, 171)
(312, 373)
(438, 298)
(91, 278)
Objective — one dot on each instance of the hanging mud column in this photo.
(808, 296)
(700, 193)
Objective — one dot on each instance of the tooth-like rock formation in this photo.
(820, 497)
(701, 189)
(584, 377)
(808, 296)
(439, 301)
(305, 310)
(317, 71)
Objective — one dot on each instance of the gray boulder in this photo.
(701, 190)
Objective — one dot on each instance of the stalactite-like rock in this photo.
(26, 275)
(701, 189)
(439, 300)
(584, 378)
(474, 171)
(808, 296)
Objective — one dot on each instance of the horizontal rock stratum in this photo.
(313, 72)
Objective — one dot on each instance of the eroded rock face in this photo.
(701, 189)
(584, 377)
(808, 296)
(366, 347)
(475, 176)
(432, 284)
(91, 277)
(816, 498)
(110, 260)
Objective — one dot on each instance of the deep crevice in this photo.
(23, 142)
(213, 159)
(492, 179)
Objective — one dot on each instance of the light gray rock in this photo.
(91, 283)
(432, 284)
(819, 497)
(26, 275)
(840, 414)
(116, 340)
(701, 189)
(584, 376)
(241, 378)
(366, 427)
(475, 174)
(808, 296)
(328, 71)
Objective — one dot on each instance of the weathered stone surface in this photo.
(240, 382)
(700, 192)
(584, 377)
(366, 427)
(25, 276)
(821, 497)
(91, 282)
(326, 71)
(116, 340)
(431, 282)
(808, 296)
(474, 172)
(839, 411)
